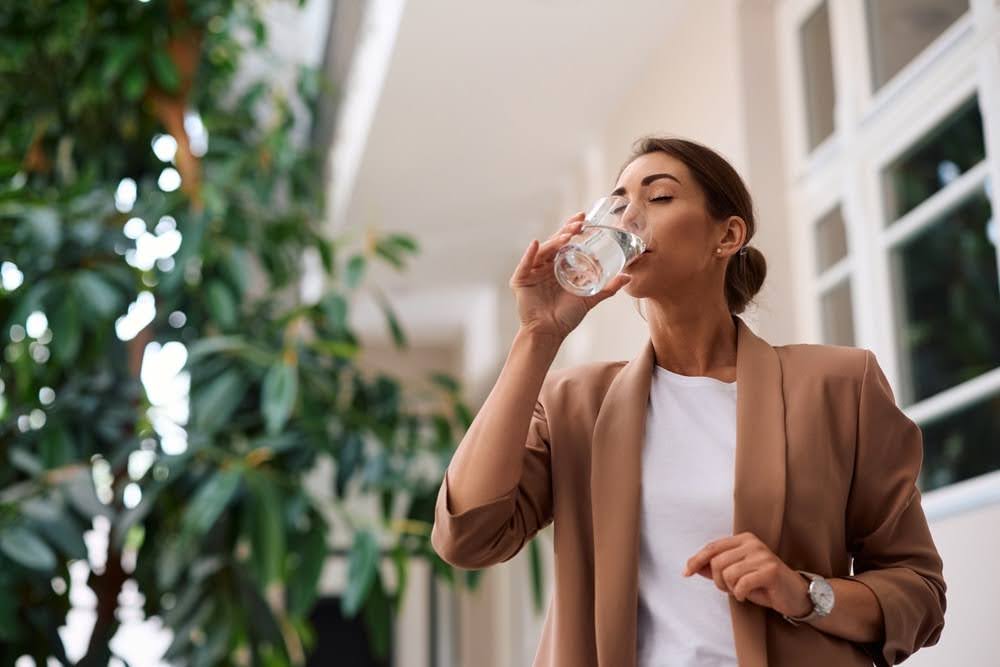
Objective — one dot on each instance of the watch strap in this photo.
(813, 614)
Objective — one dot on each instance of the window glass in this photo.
(947, 293)
(817, 73)
(962, 445)
(831, 239)
(898, 30)
(949, 150)
(838, 317)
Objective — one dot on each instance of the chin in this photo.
(632, 289)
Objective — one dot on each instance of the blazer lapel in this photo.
(759, 493)
(616, 475)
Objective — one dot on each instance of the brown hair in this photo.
(725, 195)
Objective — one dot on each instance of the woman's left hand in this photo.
(747, 569)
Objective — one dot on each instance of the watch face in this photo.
(821, 594)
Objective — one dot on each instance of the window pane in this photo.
(817, 72)
(831, 239)
(899, 30)
(838, 318)
(962, 445)
(945, 286)
(948, 151)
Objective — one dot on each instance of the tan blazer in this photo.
(825, 470)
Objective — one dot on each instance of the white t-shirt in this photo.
(687, 501)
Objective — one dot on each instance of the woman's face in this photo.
(667, 209)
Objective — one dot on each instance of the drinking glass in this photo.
(599, 251)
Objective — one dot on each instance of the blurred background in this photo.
(253, 286)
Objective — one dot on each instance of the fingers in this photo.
(721, 562)
(733, 574)
(549, 249)
(748, 583)
(572, 224)
(527, 262)
(613, 286)
(538, 252)
(707, 552)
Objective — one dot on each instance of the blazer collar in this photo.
(758, 495)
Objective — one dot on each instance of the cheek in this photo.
(681, 227)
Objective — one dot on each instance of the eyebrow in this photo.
(646, 181)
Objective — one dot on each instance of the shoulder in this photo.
(808, 360)
(592, 376)
(582, 385)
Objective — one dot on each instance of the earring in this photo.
(718, 251)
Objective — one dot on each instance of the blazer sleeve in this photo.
(894, 554)
(496, 531)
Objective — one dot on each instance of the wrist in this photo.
(804, 603)
(820, 595)
(540, 340)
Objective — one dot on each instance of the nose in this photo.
(632, 219)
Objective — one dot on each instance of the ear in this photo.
(735, 232)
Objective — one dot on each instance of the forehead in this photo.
(652, 163)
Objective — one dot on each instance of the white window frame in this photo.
(872, 128)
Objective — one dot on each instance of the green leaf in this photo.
(56, 446)
(135, 83)
(277, 398)
(389, 253)
(403, 243)
(235, 266)
(535, 559)
(355, 271)
(267, 530)
(26, 462)
(351, 456)
(165, 71)
(235, 345)
(120, 54)
(66, 333)
(10, 630)
(24, 547)
(463, 414)
(341, 349)
(259, 31)
(472, 578)
(398, 336)
(210, 501)
(58, 527)
(45, 228)
(445, 381)
(361, 569)
(334, 308)
(401, 561)
(326, 255)
(378, 619)
(98, 294)
(303, 580)
(221, 303)
(213, 403)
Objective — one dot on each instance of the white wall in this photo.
(968, 544)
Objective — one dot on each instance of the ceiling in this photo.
(485, 109)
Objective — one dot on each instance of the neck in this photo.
(691, 339)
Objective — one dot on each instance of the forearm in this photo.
(856, 614)
(488, 461)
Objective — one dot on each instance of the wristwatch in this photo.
(821, 595)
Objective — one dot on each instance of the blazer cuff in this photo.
(470, 539)
(893, 588)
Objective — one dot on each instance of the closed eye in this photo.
(663, 198)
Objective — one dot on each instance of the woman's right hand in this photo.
(545, 308)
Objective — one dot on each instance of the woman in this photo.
(694, 523)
